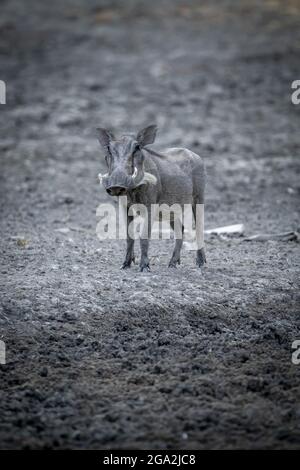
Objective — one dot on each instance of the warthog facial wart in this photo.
(151, 184)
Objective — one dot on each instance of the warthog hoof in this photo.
(145, 267)
(173, 263)
(127, 263)
(201, 258)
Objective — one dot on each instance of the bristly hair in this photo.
(153, 152)
(129, 134)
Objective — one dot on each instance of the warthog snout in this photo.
(116, 191)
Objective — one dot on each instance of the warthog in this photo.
(146, 177)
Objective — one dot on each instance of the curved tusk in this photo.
(134, 174)
(100, 176)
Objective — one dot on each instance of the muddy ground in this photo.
(102, 358)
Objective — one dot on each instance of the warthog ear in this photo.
(104, 137)
(147, 135)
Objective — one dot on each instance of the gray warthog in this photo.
(173, 176)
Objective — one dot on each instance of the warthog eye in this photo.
(108, 159)
(136, 149)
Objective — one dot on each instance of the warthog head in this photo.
(125, 160)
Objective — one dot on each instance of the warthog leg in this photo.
(198, 211)
(144, 241)
(129, 258)
(178, 245)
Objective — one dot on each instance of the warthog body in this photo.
(175, 176)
